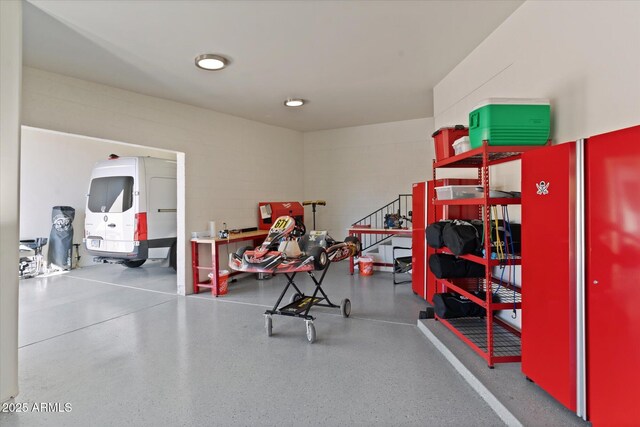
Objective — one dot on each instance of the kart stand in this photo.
(300, 304)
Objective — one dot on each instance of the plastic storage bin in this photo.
(510, 121)
(443, 139)
(462, 145)
(450, 192)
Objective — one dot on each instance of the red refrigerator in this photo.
(581, 274)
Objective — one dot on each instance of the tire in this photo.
(172, 257)
(268, 325)
(311, 333)
(240, 252)
(345, 307)
(356, 241)
(320, 258)
(295, 297)
(134, 264)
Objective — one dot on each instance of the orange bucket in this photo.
(365, 265)
(223, 281)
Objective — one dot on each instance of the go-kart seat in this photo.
(313, 239)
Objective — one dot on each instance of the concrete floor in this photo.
(527, 402)
(123, 350)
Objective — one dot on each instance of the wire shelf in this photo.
(506, 292)
(505, 343)
(474, 158)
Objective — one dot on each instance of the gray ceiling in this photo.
(356, 62)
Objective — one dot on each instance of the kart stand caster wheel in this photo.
(295, 297)
(311, 332)
(345, 307)
(268, 324)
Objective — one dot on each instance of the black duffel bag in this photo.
(445, 266)
(433, 233)
(463, 237)
(451, 306)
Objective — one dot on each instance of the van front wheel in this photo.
(134, 264)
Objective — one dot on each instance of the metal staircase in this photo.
(376, 219)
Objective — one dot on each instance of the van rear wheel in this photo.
(134, 264)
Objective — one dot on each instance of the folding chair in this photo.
(401, 265)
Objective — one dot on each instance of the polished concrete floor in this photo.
(527, 402)
(122, 349)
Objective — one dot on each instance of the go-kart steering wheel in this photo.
(299, 230)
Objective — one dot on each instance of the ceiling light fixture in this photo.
(211, 62)
(294, 102)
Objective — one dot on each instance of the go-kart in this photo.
(288, 250)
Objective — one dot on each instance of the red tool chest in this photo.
(268, 212)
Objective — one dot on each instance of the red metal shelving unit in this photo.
(493, 339)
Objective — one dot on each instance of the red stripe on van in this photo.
(141, 227)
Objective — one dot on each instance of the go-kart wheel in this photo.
(311, 332)
(320, 258)
(345, 307)
(295, 297)
(240, 252)
(355, 241)
(268, 324)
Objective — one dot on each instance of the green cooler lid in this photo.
(512, 101)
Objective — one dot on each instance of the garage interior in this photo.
(380, 84)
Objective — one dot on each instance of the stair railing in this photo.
(376, 219)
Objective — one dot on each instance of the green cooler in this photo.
(510, 121)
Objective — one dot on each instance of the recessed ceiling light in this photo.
(294, 102)
(211, 62)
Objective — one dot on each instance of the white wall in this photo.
(10, 83)
(231, 163)
(54, 170)
(583, 56)
(359, 169)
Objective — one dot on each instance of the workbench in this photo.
(257, 237)
(359, 231)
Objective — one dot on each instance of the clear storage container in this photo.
(450, 192)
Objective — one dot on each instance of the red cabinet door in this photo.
(418, 240)
(613, 277)
(548, 270)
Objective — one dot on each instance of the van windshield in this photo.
(112, 194)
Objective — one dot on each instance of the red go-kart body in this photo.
(287, 250)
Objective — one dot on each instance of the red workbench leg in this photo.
(214, 269)
(194, 266)
(351, 260)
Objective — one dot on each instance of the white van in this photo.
(131, 211)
